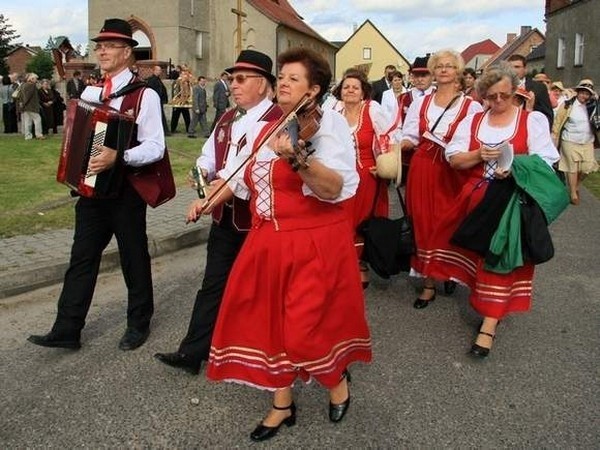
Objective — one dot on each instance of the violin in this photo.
(302, 125)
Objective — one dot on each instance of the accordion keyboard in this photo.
(99, 136)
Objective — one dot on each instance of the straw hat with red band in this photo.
(522, 92)
(254, 61)
(116, 29)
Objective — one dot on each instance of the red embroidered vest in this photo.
(239, 209)
(518, 139)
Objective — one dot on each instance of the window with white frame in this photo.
(560, 57)
(366, 52)
(579, 45)
(199, 42)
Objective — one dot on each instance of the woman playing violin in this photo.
(293, 307)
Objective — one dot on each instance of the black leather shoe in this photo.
(478, 351)
(449, 287)
(263, 432)
(180, 361)
(338, 411)
(133, 338)
(55, 340)
(422, 303)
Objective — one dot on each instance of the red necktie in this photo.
(107, 88)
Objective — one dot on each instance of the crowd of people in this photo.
(291, 176)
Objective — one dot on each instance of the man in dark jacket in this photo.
(75, 86)
(542, 98)
(220, 98)
(384, 84)
(154, 82)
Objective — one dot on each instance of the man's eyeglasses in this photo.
(445, 67)
(498, 95)
(241, 78)
(108, 46)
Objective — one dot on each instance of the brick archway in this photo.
(138, 24)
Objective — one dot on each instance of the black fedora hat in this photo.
(420, 64)
(255, 61)
(116, 29)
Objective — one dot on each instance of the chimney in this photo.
(510, 37)
(525, 29)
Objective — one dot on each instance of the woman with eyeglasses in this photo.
(293, 309)
(481, 150)
(432, 185)
(368, 121)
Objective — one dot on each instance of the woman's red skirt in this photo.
(293, 308)
(492, 294)
(372, 192)
(431, 190)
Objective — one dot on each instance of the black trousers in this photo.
(95, 223)
(185, 112)
(9, 117)
(224, 244)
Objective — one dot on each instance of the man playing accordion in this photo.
(123, 214)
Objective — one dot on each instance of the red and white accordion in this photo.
(88, 124)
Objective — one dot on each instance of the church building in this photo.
(207, 35)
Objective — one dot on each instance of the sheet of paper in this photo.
(505, 159)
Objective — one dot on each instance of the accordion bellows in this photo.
(89, 124)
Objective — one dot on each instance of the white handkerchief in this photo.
(92, 94)
(433, 138)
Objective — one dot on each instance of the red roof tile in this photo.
(487, 47)
(281, 12)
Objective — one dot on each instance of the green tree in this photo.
(7, 36)
(50, 44)
(41, 64)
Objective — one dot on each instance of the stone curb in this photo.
(24, 280)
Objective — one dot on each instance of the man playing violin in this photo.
(252, 82)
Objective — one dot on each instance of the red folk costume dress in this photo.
(293, 306)
(432, 184)
(492, 294)
(372, 191)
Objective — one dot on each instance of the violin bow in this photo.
(278, 127)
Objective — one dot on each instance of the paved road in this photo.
(538, 389)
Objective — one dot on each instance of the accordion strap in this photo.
(128, 89)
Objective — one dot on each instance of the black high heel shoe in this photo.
(421, 303)
(481, 352)
(263, 432)
(449, 287)
(338, 411)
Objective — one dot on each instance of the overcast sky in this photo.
(413, 26)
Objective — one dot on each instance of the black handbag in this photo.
(388, 243)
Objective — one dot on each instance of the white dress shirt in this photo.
(207, 159)
(150, 133)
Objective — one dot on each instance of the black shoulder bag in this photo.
(389, 243)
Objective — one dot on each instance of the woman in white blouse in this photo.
(476, 151)
(432, 185)
(368, 122)
(293, 308)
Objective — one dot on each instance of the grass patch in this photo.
(31, 199)
(592, 182)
